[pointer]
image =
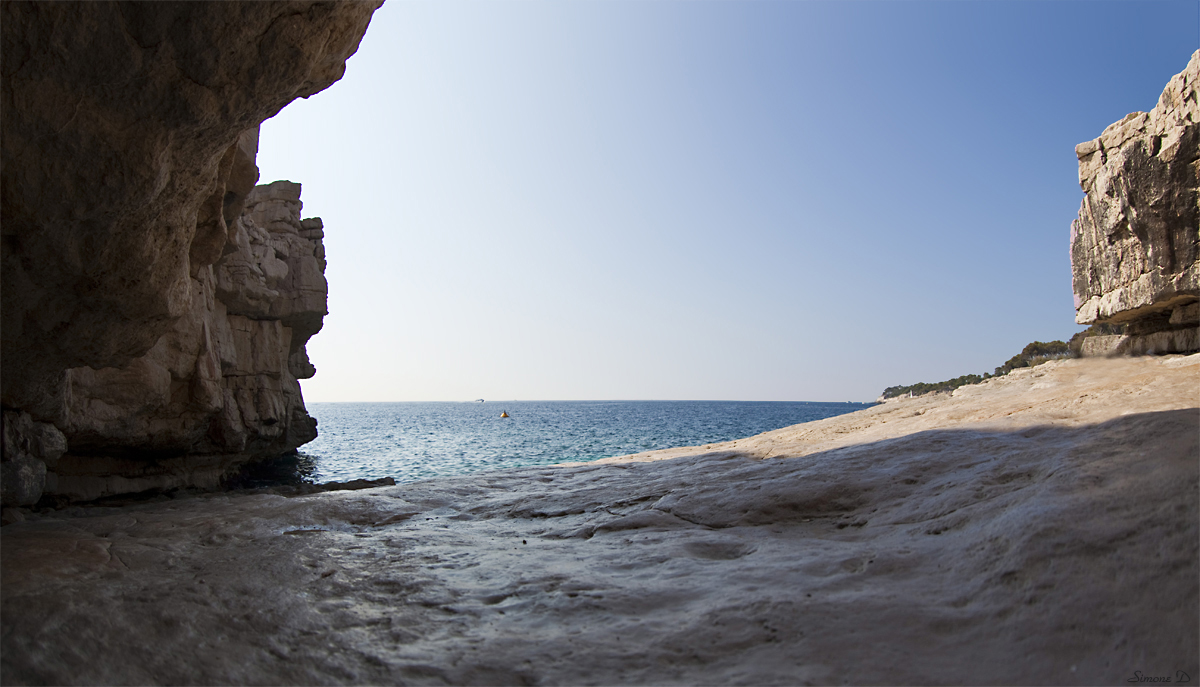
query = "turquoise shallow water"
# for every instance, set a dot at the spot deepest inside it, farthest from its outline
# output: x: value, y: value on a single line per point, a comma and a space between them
x: 415, y: 441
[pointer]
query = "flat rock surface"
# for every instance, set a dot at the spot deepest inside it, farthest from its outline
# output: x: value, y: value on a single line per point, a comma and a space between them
x: 1041, y: 528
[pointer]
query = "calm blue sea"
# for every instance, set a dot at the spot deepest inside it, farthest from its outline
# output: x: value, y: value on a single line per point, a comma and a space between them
x: 415, y: 441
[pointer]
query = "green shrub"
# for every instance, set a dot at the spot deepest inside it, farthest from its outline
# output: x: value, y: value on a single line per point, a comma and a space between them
x: 925, y: 387
x: 1035, y: 353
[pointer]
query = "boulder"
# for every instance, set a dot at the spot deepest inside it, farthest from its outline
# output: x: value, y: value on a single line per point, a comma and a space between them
x: 29, y: 447
x: 1135, y: 249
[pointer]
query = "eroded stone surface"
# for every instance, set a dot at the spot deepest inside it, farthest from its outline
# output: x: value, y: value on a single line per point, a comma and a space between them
x: 1135, y: 248
x: 126, y: 158
x: 220, y: 387
x: 1040, y: 528
x: 29, y: 447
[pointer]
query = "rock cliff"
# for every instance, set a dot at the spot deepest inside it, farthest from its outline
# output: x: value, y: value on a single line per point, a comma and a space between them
x: 220, y: 387
x: 1135, y: 248
x: 150, y: 337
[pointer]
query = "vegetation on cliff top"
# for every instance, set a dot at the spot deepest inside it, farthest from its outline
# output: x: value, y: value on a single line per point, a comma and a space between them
x: 1033, y: 354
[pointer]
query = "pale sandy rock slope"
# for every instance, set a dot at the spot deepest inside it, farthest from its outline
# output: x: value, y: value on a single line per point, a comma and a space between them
x: 1041, y: 528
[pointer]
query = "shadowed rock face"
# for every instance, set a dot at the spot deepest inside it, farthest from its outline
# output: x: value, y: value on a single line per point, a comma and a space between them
x: 220, y: 387
x: 128, y: 157
x: 1135, y: 249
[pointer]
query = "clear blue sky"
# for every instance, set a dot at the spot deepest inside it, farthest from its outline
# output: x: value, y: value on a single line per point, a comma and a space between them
x: 706, y: 200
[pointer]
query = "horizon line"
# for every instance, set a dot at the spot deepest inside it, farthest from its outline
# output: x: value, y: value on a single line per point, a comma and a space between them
x: 606, y: 400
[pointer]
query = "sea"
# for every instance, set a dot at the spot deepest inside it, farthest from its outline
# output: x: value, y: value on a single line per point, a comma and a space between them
x: 416, y: 441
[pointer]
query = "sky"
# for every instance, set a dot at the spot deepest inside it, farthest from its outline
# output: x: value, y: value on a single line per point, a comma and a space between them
x: 791, y: 201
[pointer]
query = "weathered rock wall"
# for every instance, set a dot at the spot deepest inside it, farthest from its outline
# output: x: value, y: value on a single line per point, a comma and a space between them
x: 220, y: 387
x: 1135, y: 248
x: 126, y: 158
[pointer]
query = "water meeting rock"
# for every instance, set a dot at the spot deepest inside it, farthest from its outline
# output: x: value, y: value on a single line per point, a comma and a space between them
x: 127, y: 157
x: 1039, y: 528
x: 1135, y: 248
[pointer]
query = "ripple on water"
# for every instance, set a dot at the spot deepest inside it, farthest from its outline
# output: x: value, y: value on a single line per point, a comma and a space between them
x: 415, y: 441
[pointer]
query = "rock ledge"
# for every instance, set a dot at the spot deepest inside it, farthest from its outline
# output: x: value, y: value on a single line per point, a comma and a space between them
x: 1135, y: 248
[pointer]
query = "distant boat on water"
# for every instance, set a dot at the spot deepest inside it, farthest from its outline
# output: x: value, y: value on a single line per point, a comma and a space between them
x: 479, y: 400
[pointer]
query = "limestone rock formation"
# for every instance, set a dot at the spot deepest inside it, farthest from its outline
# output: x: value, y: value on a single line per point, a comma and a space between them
x: 125, y: 161
x: 29, y: 447
x: 220, y: 387
x: 1135, y: 248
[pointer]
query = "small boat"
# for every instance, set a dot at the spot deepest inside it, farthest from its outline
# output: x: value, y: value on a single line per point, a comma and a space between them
x: 503, y: 413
